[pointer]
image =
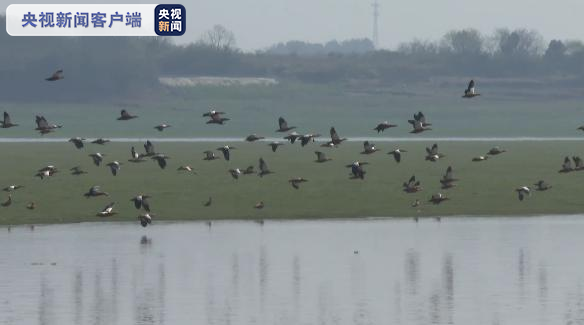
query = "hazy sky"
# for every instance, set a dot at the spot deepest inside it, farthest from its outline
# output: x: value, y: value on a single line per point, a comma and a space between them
x: 260, y: 23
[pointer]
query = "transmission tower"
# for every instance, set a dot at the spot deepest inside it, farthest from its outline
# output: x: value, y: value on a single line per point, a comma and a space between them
x: 375, y: 6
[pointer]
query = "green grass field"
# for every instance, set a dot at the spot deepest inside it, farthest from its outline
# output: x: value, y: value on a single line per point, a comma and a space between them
x: 485, y: 188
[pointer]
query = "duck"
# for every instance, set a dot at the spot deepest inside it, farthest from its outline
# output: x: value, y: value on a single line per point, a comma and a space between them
x: 43, y: 125
x: 78, y: 142
x: 283, y: 125
x: 357, y: 171
x: 335, y: 139
x: 97, y: 158
x: 448, y: 179
x: 114, y: 167
x: 368, y: 148
x: 160, y: 159
x: 412, y: 185
x: 226, y: 151
x: 522, y: 192
x: 433, y: 154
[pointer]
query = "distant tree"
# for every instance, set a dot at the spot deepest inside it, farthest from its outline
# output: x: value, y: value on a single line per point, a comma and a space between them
x: 520, y: 43
x: 556, y: 50
x: 418, y: 47
x: 463, y: 42
x: 219, y: 38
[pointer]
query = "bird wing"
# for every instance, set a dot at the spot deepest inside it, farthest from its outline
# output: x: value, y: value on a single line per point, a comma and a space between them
x: 7, y: 119
x: 334, y: 135
x: 263, y: 165
x: 435, y: 149
x: 146, y: 204
x: 282, y: 122
x: 471, y: 85
x: 161, y: 162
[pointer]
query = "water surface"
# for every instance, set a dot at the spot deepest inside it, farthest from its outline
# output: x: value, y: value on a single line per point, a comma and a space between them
x: 381, y: 271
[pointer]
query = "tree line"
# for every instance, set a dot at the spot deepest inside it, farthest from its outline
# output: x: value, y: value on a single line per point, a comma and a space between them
x: 106, y: 67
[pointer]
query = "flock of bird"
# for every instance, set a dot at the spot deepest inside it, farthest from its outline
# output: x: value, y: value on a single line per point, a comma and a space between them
x: 419, y: 124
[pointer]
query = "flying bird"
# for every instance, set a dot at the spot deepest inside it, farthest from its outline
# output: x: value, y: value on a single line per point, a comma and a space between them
x: 496, y: 151
x: 43, y: 125
x: 522, y: 192
x: 357, y: 171
x: 186, y: 169
x: 260, y: 205
x: 283, y: 125
x: 448, y: 179
x: 368, y: 148
x: 335, y: 139
x: 567, y: 165
x: 7, y: 122
x: 469, y: 92
x: 433, y: 154
x: 149, y: 147
x: 161, y: 127
x: 480, y: 158
x: 208, y: 202
x: 253, y: 137
x: 419, y: 123
x: 438, y: 198
x: 108, y: 211
x: 263, y: 168
x: 210, y: 155
x: 235, y: 173
x: 100, y: 141
x: 295, y: 182
x: 145, y: 219
x: 542, y: 186
x: 215, y: 117
x: 124, y: 116
x: 78, y: 142
x: 8, y: 202
x: 114, y: 167
x: 141, y: 201
x: 160, y: 159
x: 97, y: 158
x: 397, y: 154
x: 384, y: 126
x: 95, y: 191
x: 136, y: 157
x: 46, y: 171
x: 226, y: 151
x: 249, y: 170
x: 57, y: 75
x: 307, y: 138
x: 412, y: 185
x: 77, y: 171
x: 292, y: 136
x: 12, y: 188
x: 321, y: 157
x: 274, y: 145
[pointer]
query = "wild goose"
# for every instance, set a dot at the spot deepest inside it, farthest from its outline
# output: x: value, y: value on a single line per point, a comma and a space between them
x: 335, y: 139
x: 235, y: 173
x: 160, y: 159
x: 283, y: 125
x: 448, y: 179
x: 141, y: 201
x: 8, y: 202
x: 149, y: 148
x: 433, y: 154
x: 469, y: 92
x: 307, y: 138
x: 438, y: 198
x: 384, y: 126
x: 57, y: 75
x: 43, y: 125
x: 496, y: 151
x: 124, y: 116
x: 321, y: 157
x: 136, y: 157
x: 161, y: 127
x: 7, y: 122
x: 226, y: 151
x: 368, y: 148
x: 208, y: 202
x: 77, y: 171
x: 421, y: 118
x: 12, y: 188
x: 100, y: 141
x: 292, y: 136
x: 145, y: 219
x: 210, y: 155
x: 77, y: 141
x: 357, y: 171
x: 95, y: 191
x: 215, y: 117
x: 275, y: 145
x: 249, y: 170
x: 295, y: 182
x: 263, y: 168
x: 114, y: 167
x: 397, y: 153
x: 108, y: 211
x: 566, y: 166
x: 253, y: 137
x: 259, y: 205
x: 186, y: 169
x: 97, y: 158
x: 412, y: 185
x: 480, y: 158
x: 542, y: 186
x: 522, y: 192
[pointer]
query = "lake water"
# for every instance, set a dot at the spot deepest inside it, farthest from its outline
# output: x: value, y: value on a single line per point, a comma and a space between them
x: 373, y: 271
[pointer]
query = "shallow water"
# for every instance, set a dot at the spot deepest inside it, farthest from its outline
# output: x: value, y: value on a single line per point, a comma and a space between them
x: 381, y: 271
